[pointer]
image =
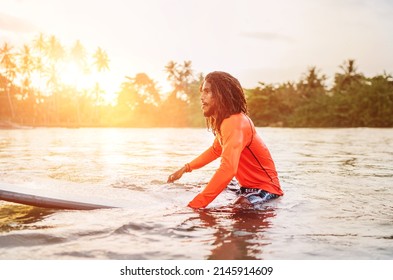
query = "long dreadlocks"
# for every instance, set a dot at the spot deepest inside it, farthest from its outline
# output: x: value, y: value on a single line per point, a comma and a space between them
x: 229, y: 98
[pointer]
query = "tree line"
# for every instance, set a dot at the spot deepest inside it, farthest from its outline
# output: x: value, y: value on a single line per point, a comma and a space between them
x: 34, y: 93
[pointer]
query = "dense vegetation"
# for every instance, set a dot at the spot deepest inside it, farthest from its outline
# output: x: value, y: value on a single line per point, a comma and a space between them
x: 33, y: 93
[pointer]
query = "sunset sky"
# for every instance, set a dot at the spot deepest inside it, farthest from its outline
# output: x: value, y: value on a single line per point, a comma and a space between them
x: 255, y: 40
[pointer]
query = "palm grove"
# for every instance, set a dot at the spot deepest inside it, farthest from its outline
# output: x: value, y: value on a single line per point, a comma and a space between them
x: 33, y: 93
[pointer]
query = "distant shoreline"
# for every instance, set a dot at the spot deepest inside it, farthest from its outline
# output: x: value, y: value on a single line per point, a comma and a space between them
x: 13, y: 125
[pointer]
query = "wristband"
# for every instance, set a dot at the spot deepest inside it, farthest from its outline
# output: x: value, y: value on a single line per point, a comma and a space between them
x: 187, y: 167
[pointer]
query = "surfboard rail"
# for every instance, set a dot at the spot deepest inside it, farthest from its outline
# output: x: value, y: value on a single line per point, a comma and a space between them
x: 48, y: 202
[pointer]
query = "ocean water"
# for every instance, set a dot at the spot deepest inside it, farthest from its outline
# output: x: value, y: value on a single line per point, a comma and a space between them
x: 338, y: 201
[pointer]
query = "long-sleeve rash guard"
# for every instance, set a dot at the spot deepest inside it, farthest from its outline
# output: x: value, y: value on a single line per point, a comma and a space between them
x: 243, y: 155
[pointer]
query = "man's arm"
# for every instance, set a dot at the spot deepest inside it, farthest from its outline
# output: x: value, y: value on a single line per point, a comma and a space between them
x: 233, y: 144
x: 212, y: 153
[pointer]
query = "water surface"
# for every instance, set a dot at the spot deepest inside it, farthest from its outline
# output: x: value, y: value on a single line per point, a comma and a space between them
x: 338, y: 201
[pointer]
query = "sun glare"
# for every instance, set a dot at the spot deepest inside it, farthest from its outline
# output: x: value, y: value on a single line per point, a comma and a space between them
x: 75, y: 80
x: 110, y: 86
x: 72, y: 75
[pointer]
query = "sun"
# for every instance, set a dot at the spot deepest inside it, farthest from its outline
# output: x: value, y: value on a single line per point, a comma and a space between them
x: 82, y: 79
x: 72, y: 74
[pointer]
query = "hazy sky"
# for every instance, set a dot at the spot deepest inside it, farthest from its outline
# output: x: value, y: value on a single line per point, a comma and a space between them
x: 255, y: 40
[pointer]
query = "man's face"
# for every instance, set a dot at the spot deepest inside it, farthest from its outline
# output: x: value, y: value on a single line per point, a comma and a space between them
x: 207, y: 100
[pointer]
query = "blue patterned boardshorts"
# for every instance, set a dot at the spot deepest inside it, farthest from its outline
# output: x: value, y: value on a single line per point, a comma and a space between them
x: 253, y: 196
x: 256, y: 196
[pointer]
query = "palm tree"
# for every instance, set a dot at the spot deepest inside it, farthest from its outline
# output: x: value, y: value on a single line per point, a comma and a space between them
x: 40, y: 43
x: 53, y: 83
x: 78, y: 54
x: 27, y: 64
x: 26, y: 68
x: 350, y: 75
x: 7, y: 60
x: 41, y: 47
x: 56, y: 53
x: 170, y: 68
x: 55, y: 49
x: 312, y: 83
x: 101, y: 60
x: 181, y: 76
x: 98, y: 100
x: 182, y: 79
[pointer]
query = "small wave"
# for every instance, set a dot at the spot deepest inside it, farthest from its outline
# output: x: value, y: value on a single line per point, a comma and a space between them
x: 332, y: 234
x: 131, y: 227
x: 126, y: 184
x: 28, y: 240
x: 387, y: 237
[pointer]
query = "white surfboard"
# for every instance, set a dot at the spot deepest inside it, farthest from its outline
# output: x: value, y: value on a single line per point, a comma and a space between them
x: 50, y: 199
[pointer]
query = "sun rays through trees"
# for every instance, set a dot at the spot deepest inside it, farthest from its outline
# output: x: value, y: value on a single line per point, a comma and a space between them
x: 47, y: 83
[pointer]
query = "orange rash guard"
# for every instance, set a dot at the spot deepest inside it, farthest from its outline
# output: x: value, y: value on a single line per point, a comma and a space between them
x: 243, y: 155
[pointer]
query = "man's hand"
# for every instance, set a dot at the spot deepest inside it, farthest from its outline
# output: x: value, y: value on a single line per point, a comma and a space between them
x: 178, y: 174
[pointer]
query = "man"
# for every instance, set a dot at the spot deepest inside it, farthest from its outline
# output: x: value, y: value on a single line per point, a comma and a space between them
x: 243, y: 153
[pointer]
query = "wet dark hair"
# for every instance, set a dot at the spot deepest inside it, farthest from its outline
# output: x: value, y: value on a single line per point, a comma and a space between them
x: 229, y: 98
